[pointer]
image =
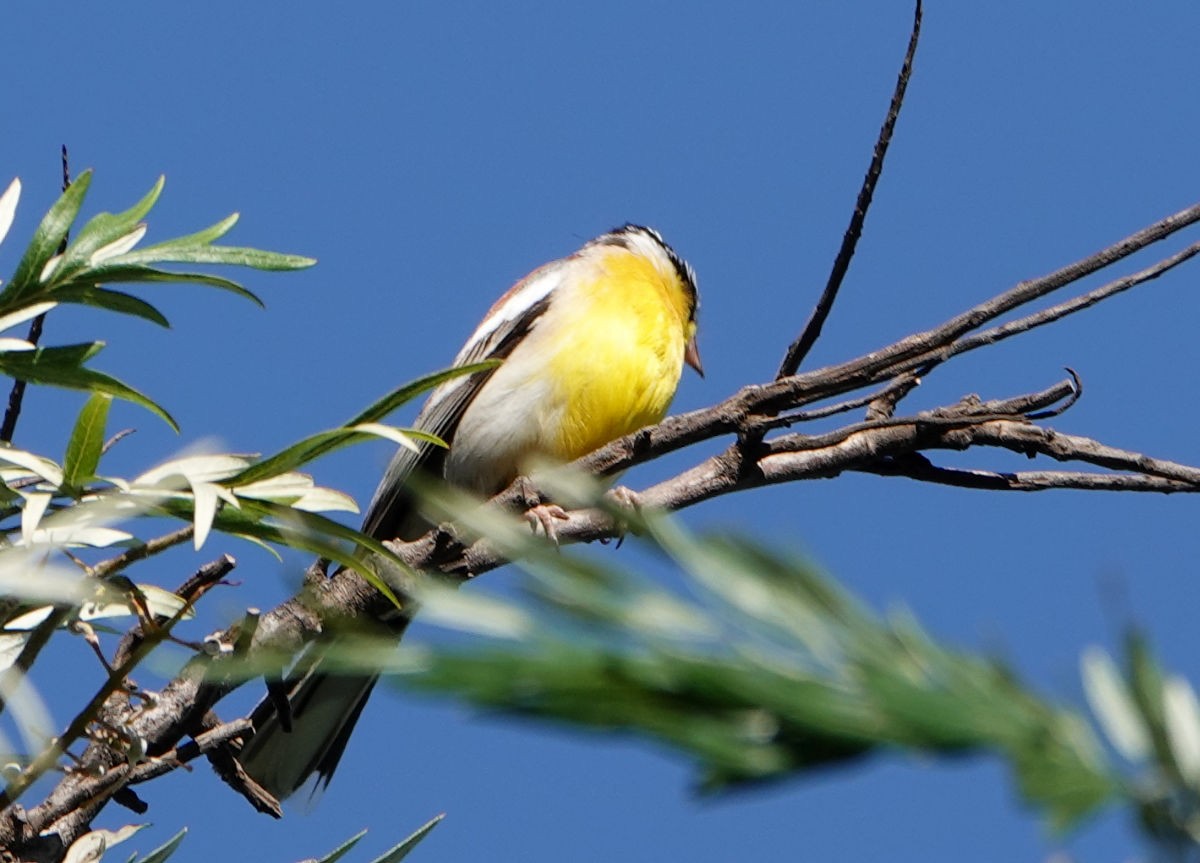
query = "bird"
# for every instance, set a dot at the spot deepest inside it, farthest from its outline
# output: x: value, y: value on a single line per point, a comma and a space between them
x: 592, y: 347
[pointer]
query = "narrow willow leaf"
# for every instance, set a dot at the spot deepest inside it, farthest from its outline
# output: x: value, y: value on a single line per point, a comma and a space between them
x: 11, y: 645
x: 117, y: 247
x: 342, y: 850
x: 104, y: 229
x: 409, y: 391
x: 116, y: 602
x: 35, y: 507
x: 1113, y: 706
x: 203, y: 237
x: 46, y: 240
x: 112, y: 272
x: 33, y: 463
x: 399, y: 852
x: 262, y: 522
x: 296, y: 455
x: 90, y: 847
x: 20, y: 316
x: 54, y: 367
x: 311, y: 531
x: 479, y: 615
x: 78, y: 536
x: 218, y: 467
x: 322, y: 443
x: 288, y: 486
x: 64, y: 356
x: 205, y: 496
x: 164, y: 851
x: 395, y: 435
x: 261, y: 543
x: 165, y: 603
x: 1183, y: 727
x: 87, y: 441
x: 8, y: 206
x: 179, y: 252
x: 298, y: 491
x: 113, y: 301
x: 299, y: 454
x: 1146, y: 685
x: 29, y: 620
x: 319, y: 499
x: 49, y: 269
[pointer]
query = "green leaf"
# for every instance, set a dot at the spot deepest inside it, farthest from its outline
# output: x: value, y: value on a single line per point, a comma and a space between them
x: 66, y: 356
x: 238, y: 256
x: 320, y: 444
x: 203, y: 237
x: 114, y: 301
x: 302, y: 528
x: 164, y: 851
x: 87, y: 441
x: 1147, y: 686
x: 342, y: 850
x: 112, y: 271
x: 278, y: 523
x: 105, y: 228
x: 398, y: 853
x: 407, y: 392
x: 63, y: 367
x: 24, y: 314
x: 787, y: 671
x: 304, y: 451
x: 46, y: 240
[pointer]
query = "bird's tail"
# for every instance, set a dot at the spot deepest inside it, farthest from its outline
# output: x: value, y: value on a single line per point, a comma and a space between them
x: 324, y: 710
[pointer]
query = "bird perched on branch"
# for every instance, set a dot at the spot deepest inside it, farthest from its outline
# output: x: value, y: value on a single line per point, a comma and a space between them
x: 593, y: 346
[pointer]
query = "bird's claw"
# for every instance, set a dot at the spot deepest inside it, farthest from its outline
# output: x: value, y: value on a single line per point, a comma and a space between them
x: 545, y: 517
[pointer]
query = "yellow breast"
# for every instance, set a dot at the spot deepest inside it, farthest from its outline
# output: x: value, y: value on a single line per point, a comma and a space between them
x: 602, y: 361
x: 620, y: 369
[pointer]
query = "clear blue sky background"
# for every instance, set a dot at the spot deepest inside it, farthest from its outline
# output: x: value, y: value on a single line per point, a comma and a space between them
x: 430, y: 154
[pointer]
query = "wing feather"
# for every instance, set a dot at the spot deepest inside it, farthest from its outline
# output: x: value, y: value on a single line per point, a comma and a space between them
x: 392, y: 514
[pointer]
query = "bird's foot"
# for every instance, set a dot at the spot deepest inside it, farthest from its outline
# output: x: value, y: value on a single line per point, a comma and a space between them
x: 544, y: 518
x: 624, y: 498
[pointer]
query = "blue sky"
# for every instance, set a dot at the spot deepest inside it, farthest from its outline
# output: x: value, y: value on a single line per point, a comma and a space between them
x: 431, y: 154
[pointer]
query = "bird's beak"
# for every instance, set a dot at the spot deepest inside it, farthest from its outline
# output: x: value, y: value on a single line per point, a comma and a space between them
x: 691, y: 356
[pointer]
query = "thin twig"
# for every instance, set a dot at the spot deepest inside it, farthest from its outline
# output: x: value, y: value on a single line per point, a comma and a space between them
x: 141, y: 552
x: 901, y: 385
x: 799, y: 349
x: 115, y: 439
x: 1083, y: 301
x: 1027, y: 439
x: 925, y: 471
x: 186, y: 752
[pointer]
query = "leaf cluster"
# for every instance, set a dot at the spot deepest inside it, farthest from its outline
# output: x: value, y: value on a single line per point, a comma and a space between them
x: 55, y: 270
x: 59, y: 517
x: 759, y: 669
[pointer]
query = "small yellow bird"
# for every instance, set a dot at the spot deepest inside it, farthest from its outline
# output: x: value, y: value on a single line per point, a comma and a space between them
x: 593, y: 346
